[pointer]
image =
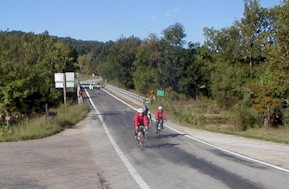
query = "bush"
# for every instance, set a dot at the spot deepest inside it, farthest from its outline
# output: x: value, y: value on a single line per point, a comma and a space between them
x: 244, y: 117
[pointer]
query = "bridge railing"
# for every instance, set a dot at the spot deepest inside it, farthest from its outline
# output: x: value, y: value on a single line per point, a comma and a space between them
x: 129, y: 94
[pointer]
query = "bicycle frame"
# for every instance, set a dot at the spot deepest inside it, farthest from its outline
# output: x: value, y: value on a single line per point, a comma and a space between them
x: 159, y: 125
x: 140, y: 137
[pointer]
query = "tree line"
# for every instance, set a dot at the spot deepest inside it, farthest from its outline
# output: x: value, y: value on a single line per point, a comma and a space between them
x: 27, y: 66
x: 243, y: 67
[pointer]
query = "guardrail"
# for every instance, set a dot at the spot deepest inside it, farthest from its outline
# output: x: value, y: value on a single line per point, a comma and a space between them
x: 141, y: 99
x: 129, y: 94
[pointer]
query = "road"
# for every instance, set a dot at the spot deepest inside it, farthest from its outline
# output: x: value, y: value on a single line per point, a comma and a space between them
x: 100, y: 152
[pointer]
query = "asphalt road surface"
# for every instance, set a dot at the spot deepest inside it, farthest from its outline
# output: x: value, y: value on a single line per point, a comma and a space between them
x: 100, y: 152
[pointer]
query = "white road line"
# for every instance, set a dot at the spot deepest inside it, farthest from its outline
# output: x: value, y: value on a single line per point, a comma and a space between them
x: 142, y: 184
x: 208, y: 144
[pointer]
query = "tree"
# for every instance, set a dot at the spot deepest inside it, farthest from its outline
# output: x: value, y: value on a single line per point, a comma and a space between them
x: 118, y: 65
x: 255, y: 28
x: 276, y: 72
x: 173, y: 53
x: 28, y: 68
x: 147, y: 65
x: 175, y: 35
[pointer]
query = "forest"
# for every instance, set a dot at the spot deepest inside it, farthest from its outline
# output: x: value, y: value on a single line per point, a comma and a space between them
x: 243, y: 67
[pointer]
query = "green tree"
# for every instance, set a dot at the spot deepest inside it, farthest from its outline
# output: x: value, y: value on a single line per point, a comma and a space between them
x: 147, y: 65
x: 276, y: 72
x: 118, y: 65
x: 255, y: 30
x: 28, y: 70
x: 275, y: 76
x: 173, y: 54
x: 175, y: 35
x: 84, y: 62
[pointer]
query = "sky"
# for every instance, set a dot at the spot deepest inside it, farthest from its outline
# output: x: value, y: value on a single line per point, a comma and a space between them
x: 104, y: 20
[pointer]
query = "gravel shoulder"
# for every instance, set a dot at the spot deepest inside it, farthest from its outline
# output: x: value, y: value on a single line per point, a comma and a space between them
x: 265, y: 151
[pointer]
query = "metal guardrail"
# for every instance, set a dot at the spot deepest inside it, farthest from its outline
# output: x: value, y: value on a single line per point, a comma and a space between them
x: 129, y: 94
x: 141, y: 99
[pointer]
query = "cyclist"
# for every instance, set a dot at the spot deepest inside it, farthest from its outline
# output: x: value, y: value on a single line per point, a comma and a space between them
x: 160, y: 116
x: 147, y: 112
x: 140, y: 119
x: 90, y: 87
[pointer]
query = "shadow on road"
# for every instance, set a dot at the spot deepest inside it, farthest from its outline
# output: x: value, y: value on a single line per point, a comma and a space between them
x: 165, y: 136
x: 163, y: 145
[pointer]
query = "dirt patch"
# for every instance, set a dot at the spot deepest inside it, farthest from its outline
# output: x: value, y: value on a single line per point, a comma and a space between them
x: 104, y: 183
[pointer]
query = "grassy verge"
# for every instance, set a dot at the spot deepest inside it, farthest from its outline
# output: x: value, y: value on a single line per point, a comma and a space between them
x: 42, y: 127
x: 205, y: 115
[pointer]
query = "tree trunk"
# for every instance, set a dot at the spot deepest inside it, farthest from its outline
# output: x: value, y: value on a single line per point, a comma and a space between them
x: 267, y: 122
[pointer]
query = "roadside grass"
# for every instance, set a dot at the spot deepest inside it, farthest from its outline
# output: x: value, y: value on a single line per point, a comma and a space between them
x: 204, y: 114
x: 83, y: 77
x: 280, y: 135
x: 43, y: 126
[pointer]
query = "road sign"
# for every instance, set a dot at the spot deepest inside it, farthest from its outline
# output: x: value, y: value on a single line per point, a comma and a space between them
x: 64, y: 80
x: 69, y: 77
x: 160, y: 93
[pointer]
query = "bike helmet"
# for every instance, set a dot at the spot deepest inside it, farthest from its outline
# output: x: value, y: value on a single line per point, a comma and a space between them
x: 160, y: 108
x: 140, y: 110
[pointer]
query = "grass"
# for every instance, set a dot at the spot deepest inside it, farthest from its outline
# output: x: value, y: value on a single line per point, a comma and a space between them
x: 204, y: 114
x: 42, y: 127
x: 280, y: 135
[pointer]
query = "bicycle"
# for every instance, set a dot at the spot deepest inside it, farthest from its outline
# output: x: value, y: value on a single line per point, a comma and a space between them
x: 149, y: 122
x: 140, y: 136
x: 159, y: 126
x: 146, y: 132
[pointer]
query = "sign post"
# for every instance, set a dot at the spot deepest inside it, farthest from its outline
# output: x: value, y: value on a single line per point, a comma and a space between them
x: 64, y: 92
x: 160, y: 93
x: 63, y: 80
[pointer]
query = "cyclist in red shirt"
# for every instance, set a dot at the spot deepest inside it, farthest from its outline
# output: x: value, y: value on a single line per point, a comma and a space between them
x: 140, y: 119
x: 160, y: 116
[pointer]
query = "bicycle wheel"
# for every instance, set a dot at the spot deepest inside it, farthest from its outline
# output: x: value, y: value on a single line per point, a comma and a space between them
x: 141, y: 140
x: 158, y: 128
